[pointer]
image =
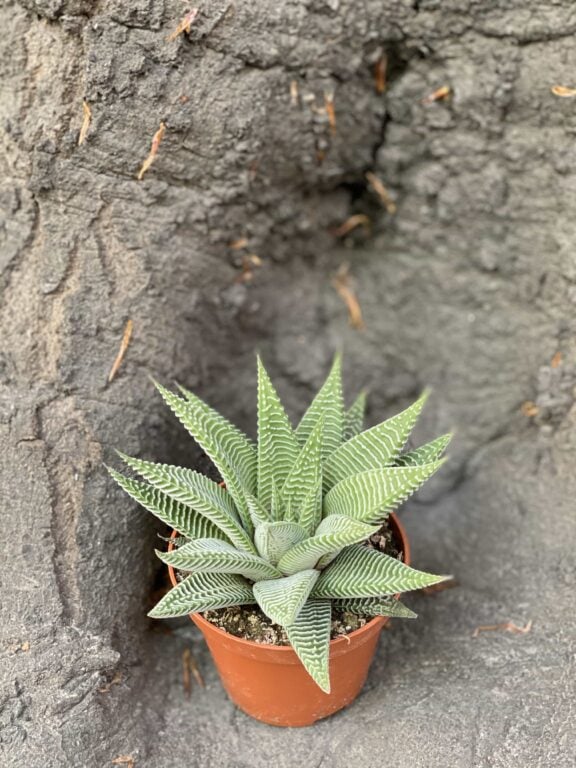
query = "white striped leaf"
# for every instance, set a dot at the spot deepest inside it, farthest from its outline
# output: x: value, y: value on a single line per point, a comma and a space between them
x: 369, y: 496
x: 333, y: 534
x: 375, y: 448
x: 222, y: 442
x: 199, y: 492
x: 238, y: 449
x: 203, y: 592
x: 425, y: 453
x: 310, y: 513
x: 305, y: 474
x: 282, y: 599
x: 212, y: 555
x: 359, y: 571
x: 179, y: 516
x: 257, y: 512
x: 277, y: 508
x: 354, y: 417
x: 375, y: 606
x: 329, y: 404
x: 277, y: 444
x: 309, y: 635
x: 274, y: 539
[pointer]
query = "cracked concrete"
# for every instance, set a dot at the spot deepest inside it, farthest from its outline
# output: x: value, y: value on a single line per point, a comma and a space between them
x: 469, y: 288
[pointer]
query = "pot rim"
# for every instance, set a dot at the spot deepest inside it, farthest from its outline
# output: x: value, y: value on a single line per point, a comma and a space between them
x: 338, y: 642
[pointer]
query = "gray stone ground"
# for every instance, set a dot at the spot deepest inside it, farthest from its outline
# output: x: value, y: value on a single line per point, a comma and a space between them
x: 470, y: 287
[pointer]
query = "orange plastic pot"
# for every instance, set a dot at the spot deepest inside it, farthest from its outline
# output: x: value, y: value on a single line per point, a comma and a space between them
x: 269, y: 682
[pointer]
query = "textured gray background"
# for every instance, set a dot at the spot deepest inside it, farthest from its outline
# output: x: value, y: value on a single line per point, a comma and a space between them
x: 470, y: 288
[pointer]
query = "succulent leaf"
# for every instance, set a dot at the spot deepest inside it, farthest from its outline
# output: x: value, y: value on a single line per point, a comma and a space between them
x: 230, y: 451
x: 277, y: 444
x: 199, y: 492
x: 369, y: 496
x: 373, y: 449
x: 375, y: 606
x: 282, y: 599
x: 309, y: 635
x: 310, y: 513
x: 203, y: 592
x: 181, y: 517
x: 425, y: 454
x: 354, y: 417
x: 333, y: 534
x: 214, y: 556
x: 359, y: 571
x: 274, y: 539
x: 306, y: 472
x: 328, y: 404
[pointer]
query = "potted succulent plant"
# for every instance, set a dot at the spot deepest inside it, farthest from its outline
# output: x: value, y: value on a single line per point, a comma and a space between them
x: 289, y: 538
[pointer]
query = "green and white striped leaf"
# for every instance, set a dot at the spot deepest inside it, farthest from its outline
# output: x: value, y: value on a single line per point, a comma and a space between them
x: 277, y: 508
x: 199, y: 492
x: 282, y: 599
x: 329, y: 404
x: 213, y: 556
x: 277, y: 445
x: 333, y: 534
x: 181, y: 517
x: 373, y: 449
x: 425, y: 454
x: 305, y: 474
x: 257, y: 512
x: 274, y: 539
x: 310, y: 513
x: 203, y: 592
x: 238, y: 450
x: 369, y: 496
x: 309, y: 635
x: 230, y: 451
x: 354, y: 417
x: 359, y: 571
x: 375, y: 606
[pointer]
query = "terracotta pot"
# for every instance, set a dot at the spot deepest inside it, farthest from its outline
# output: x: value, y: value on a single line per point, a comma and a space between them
x: 269, y: 682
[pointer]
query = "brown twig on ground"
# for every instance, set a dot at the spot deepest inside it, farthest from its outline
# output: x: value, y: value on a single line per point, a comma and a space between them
x: 380, y: 71
x: 437, y: 95
x: 122, y: 351
x: 556, y: 360
x: 379, y: 188
x: 329, y: 107
x: 249, y: 261
x: 358, y: 220
x: 240, y: 242
x: 186, y: 672
x: 124, y: 760
x: 196, y: 672
x: 342, y: 284
x: 563, y: 91
x: 87, y: 112
x: 117, y: 678
x: 506, y: 626
x: 294, y: 93
x: 529, y: 409
x: 153, y: 151
x: 189, y: 666
x: 184, y: 25
x: 440, y: 587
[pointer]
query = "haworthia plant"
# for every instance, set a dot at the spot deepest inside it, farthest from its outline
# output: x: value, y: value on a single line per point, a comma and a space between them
x: 289, y: 530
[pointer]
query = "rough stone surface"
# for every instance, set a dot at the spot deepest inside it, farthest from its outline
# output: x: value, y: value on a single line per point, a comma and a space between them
x: 470, y: 287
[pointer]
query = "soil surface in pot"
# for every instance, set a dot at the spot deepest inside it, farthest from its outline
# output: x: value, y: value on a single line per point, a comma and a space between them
x: 250, y: 623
